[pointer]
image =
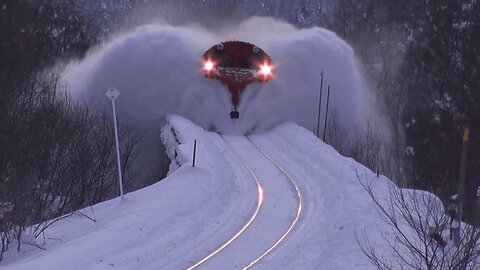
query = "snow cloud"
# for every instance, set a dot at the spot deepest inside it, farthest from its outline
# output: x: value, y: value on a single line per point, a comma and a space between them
x: 157, y: 69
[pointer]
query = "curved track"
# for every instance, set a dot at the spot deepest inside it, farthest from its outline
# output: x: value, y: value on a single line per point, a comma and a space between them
x: 271, y: 222
x: 299, y: 209
x: 245, y: 226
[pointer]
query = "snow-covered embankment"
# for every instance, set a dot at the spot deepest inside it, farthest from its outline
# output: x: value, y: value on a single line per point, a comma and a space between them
x: 180, y: 220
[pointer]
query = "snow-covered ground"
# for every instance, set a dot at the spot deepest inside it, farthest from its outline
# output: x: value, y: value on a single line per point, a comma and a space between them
x: 175, y: 223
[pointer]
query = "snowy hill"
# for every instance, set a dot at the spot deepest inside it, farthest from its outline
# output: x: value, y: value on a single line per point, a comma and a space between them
x: 195, y: 211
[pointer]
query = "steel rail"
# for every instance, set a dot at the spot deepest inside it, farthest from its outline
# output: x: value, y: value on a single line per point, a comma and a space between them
x: 251, y: 219
x: 257, y: 209
x: 299, y: 208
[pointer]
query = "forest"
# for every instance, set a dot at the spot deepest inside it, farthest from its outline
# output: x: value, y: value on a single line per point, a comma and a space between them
x: 56, y: 155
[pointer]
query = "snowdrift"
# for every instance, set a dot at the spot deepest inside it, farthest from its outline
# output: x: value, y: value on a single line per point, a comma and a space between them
x: 171, y: 224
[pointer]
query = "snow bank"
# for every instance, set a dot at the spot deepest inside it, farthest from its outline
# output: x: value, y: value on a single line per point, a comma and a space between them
x: 174, y: 223
x: 165, y: 226
x: 338, y: 208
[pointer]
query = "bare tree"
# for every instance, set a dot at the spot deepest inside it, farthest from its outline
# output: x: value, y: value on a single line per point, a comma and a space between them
x: 61, y: 158
x: 418, y: 232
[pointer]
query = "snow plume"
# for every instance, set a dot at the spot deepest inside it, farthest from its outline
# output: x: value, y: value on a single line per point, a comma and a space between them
x: 157, y: 69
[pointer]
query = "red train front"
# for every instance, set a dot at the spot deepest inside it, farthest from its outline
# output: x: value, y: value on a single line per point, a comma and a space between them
x: 237, y: 64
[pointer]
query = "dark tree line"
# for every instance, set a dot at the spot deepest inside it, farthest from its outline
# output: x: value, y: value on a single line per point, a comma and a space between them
x: 443, y: 89
x: 424, y: 58
x: 56, y: 156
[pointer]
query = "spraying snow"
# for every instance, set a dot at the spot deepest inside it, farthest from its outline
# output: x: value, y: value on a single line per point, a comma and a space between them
x: 157, y: 69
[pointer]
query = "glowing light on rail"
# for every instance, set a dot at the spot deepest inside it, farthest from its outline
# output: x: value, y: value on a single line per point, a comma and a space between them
x: 257, y: 209
x: 246, y: 225
x: 297, y: 217
x: 260, y: 194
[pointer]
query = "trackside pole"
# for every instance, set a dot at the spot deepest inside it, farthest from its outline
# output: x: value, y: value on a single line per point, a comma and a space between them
x: 477, y: 205
x: 326, y: 115
x: 463, y: 171
x: 194, y: 152
x: 113, y: 94
x: 319, y: 104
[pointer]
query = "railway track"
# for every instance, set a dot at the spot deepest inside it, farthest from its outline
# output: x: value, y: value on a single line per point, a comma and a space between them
x: 260, y: 212
x: 246, y: 225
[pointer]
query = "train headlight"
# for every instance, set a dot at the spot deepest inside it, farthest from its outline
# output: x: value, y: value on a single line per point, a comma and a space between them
x: 266, y: 70
x: 208, y: 66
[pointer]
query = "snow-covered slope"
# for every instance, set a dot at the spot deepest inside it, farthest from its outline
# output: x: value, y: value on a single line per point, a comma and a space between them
x: 180, y: 220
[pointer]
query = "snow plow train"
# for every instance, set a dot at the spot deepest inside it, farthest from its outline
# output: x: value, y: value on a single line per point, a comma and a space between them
x: 237, y: 64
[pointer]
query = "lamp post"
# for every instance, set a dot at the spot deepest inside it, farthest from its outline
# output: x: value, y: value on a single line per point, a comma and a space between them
x: 112, y: 94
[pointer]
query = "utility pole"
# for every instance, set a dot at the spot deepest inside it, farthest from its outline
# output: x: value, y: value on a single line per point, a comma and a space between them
x: 112, y: 94
x: 463, y: 173
x: 319, y: 104
x: 194, y: 152
x: 326, y: 115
